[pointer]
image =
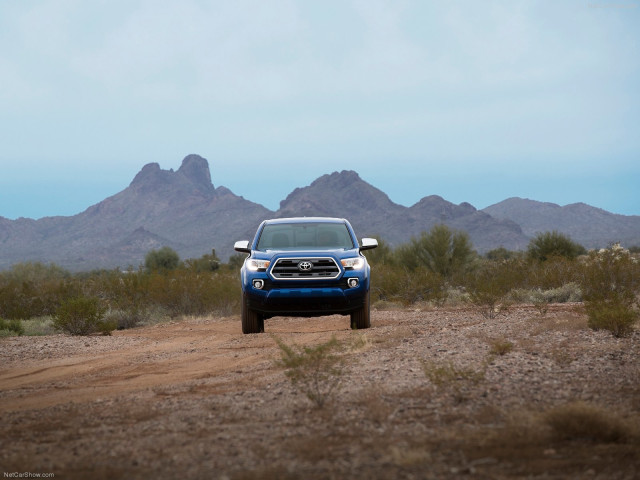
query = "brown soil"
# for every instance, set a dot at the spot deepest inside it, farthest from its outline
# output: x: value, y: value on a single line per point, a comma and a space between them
x: 428, y: 394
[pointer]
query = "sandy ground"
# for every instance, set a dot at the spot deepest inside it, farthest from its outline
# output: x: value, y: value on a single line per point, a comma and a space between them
x: 197, y: 399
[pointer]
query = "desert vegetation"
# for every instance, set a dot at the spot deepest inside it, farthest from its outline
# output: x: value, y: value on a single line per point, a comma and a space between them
x: 437, y: 268
x: 105, y: 300
x: 506, y: 365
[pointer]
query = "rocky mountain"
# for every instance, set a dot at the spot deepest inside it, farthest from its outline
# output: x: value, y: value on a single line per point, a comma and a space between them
x: 590, y: 226
x: 371, y: 212
x: 183, y: 210
x: 180, y: 209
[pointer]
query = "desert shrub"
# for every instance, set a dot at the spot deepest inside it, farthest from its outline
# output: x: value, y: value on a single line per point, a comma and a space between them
x: 79, y: 316
x: 235, y: 261
x: 106, y: 325
x: 442, y: 374
x: 37, y: 326
x: 489, y: 285
x: 124, y: 319
x: 381, y: 255
x: 315, y: 371
x: 163, y: 259
x: 500, y: 347
x: 11, y: 328
x: 541, y: 299
x: 501, y: 253
x: 547, y: 245
x: 135, y: 296
x: 441, y: 250
x: 130, y: 298
x: 456, y: 296
x: 614, y: 316
x: 581, y: 421
x: 125, y: 291
x: 33, y: 289
x: 206, y: 263
x: 398, y: 284
x: 569, y: 292
x: 610, y: 283
x: 552, y: 273
x: 182, y: 292
x: 610, y: 272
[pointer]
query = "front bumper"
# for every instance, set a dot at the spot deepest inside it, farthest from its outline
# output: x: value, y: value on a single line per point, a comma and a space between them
x: 306, y: 298
x: 306, y: 301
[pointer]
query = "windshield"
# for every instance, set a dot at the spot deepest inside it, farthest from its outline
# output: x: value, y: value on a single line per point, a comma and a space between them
x: 295, y: 236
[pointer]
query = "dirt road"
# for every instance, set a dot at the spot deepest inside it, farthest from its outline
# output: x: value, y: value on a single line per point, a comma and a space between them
x: 197, y: 399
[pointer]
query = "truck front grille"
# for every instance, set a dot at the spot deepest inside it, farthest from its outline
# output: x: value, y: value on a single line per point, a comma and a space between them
x: 305, y: 268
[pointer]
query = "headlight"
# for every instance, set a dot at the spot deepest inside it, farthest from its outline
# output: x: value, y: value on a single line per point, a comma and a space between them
x: 255, y: 265
x: 355, y: 263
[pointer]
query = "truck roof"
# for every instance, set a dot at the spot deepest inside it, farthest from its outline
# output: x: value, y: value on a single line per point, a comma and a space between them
x: 306, y: 220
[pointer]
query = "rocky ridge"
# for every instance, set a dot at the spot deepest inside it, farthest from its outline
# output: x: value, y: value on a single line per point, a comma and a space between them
x: 184, y: 210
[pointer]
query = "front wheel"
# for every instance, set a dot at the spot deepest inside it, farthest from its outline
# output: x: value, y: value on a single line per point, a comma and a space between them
x: 252, y: 321
x: 361, y: 318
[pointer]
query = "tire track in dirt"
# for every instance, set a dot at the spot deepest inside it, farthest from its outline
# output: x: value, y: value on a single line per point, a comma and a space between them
x: 167, y: 356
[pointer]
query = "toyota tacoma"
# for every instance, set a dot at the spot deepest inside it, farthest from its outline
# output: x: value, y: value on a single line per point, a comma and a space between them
x: 304, y: 267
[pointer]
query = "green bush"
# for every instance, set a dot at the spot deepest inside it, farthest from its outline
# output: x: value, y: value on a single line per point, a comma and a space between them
x: 38, y: 326
x: 11, y: 328
x: 79, y: 316
x: 382, y: 255
x: 123, y: 319
x: 552, y: 273
x: 441, y: 250
x: 206, y: 263
x: 490, y: 283
x: 163, y: 260
x: 501, y: 253
x: 235, y: 261
x: 610, y: 283
x: 34, y: 289
x: 547, y: 245
x: 182, y: 292
x: 614, y: 316
x: 398, y: 284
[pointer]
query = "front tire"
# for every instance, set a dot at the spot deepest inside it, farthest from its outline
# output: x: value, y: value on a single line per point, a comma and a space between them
x: 252, y: 321
x: 361, y: 318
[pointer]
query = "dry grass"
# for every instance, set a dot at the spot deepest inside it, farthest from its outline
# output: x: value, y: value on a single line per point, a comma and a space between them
x: 447, y: 374
x: 560, y: 323
x: 581, y: 421
x: 500, y: 346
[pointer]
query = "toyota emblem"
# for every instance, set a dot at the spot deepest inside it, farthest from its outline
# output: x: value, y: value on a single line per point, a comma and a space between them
x: 305, y: 266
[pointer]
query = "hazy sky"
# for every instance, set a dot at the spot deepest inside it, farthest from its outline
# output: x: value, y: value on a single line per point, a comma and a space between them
x: 474, y: 101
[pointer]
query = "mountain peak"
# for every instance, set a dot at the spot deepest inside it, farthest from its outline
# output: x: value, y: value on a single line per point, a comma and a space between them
x: 196, y: 169
x: 148, y: 172
x: 194, y: 172
x: 341, y: 179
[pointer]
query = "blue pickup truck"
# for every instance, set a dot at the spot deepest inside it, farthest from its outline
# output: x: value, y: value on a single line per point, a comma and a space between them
x: 308, y: 266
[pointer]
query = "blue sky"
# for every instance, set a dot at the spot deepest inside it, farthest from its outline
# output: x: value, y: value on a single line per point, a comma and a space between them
x: 472, y: 101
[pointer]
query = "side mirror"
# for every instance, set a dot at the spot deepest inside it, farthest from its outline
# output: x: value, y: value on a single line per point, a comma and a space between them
x: 242, y: 246
x: 368, y: 243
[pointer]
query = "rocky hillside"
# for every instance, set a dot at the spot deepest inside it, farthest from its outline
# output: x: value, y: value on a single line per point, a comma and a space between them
x: 371, y: 212
x: 592, y: 227
x: 182, y: 209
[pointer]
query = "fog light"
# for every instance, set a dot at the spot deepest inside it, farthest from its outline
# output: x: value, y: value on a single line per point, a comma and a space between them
x: 352, y: 282
x: 258, y: 284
